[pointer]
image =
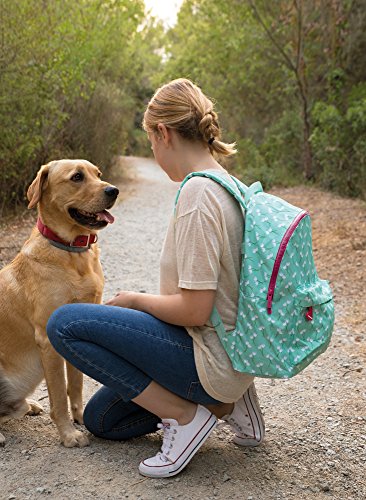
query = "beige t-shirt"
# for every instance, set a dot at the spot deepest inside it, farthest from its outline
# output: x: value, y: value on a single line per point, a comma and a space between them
x: 202, y: 251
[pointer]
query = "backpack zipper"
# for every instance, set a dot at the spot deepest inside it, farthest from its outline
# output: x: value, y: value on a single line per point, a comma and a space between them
x: 279, y: 256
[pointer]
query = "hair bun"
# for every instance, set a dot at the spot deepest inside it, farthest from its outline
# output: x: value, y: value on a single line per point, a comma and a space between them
x: 182, y: 106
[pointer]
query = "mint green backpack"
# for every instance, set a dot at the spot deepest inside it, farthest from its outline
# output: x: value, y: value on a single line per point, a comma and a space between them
x: 285, y: 312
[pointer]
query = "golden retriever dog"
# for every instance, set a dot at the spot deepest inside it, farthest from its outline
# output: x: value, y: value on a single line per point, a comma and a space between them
x: 58, y: 264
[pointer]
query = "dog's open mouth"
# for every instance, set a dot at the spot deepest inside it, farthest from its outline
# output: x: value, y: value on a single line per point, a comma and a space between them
x: 89, y: 219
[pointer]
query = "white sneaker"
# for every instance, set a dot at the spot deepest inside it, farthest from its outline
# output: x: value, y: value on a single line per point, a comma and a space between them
x: 246, y: 420
x: 180, y: 443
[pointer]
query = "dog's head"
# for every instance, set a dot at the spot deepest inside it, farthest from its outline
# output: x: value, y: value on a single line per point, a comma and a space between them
x: 71, y: 192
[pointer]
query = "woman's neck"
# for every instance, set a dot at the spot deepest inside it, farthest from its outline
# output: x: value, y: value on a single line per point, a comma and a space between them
x: 195, y: 159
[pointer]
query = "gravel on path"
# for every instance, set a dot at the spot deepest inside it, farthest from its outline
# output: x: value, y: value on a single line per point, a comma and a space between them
x: 130, y: 247
x: 316, y: 422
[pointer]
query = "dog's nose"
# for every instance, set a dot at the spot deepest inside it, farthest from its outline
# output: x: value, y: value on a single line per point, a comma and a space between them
x: 111, y: 192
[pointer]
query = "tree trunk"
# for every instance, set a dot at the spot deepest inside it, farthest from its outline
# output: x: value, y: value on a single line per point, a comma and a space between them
x: 307, y: 154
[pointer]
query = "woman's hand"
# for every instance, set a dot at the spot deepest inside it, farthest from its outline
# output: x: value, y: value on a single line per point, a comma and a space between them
x: 122, y: 299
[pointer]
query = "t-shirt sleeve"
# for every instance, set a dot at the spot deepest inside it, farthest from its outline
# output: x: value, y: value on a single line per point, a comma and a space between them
x: 199, y: 243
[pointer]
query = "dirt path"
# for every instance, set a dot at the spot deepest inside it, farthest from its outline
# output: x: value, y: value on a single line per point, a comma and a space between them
x: 316, y: 423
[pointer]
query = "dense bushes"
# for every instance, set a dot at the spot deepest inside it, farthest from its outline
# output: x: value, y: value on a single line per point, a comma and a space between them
x: 339, y: 143
x: 277, y: 159
x: 288, y: 78
x: 73, y: 76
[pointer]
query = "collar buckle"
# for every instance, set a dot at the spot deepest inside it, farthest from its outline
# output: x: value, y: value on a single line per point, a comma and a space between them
x: 84, y: 240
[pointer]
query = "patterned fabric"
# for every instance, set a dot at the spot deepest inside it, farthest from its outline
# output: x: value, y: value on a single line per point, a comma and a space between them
x: 278, y: 339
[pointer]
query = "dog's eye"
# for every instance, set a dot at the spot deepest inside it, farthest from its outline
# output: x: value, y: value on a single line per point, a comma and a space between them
x: 77, y: 177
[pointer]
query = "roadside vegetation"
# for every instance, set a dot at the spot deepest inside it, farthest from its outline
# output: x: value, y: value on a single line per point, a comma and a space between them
x: 288, y: 77
x: 73, y: 79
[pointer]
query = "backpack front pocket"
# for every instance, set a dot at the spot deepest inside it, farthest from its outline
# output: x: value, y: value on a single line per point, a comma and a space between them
x: 283, y: 343
x: 313, y: 294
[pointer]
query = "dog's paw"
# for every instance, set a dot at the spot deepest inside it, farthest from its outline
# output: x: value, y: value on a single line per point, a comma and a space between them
x: 2, y: 440
x: 34, y: 407
x: 75, y: 438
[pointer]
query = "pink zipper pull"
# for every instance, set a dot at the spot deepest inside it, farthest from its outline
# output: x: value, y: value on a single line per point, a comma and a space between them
x: 309, y: 314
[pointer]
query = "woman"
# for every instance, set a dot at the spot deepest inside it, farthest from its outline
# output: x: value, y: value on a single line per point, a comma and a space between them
x: 158, y: 357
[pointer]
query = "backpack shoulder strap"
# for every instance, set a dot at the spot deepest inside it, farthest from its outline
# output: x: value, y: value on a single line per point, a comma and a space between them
x: 220, y: 180
x: 243, y: 199
x: 247, y: 192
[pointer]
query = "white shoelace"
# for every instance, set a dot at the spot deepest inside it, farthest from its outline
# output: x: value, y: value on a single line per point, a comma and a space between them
x: 168, y: 438
x: 234, y: 425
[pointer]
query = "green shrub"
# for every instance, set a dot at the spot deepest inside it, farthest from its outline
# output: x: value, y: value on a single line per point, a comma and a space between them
x: 139, y: 144
x: 282, y: 149
x: 339, y: 146
x: 250, y: 166
x: 72, y: 76
x: 277, y: 160
x: 98, y: 128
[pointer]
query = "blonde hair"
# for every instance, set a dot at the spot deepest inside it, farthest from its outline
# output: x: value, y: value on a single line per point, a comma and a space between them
x: 182, y: 106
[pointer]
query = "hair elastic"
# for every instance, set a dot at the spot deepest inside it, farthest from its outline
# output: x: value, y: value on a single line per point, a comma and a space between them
x: 210, y: 141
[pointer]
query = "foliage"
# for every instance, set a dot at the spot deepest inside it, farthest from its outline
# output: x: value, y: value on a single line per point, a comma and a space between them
x: 269, y: 65
x: 276, y: 160
x: 73, y: 76
x: 339, y: 142
x: 218, y: 45
x: 288, y: 77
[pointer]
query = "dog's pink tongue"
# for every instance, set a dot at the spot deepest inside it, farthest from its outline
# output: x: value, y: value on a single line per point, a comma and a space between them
x: 105, y: 215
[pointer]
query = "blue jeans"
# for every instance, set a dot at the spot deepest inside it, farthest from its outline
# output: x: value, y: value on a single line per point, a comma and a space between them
x: 125, y: 350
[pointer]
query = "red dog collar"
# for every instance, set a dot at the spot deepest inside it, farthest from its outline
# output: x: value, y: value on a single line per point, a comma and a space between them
x: 82, y: 241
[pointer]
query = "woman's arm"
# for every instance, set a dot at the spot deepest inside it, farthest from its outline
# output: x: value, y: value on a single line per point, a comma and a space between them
x: 187, y: 308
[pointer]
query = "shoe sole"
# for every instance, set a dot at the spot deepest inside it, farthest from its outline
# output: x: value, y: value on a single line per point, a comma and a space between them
x: 186, y: 456
x: 256, y: 417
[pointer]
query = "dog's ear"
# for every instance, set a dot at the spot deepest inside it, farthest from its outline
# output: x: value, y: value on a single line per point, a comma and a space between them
x: 35, y: 190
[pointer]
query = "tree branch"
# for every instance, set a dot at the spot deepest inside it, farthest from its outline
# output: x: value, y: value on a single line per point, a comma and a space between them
x: 299, y: 51
x: 288, y: 61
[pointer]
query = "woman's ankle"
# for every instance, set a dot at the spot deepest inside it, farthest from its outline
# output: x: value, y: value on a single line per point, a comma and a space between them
x: 222, y: 409
x: 187, y: 415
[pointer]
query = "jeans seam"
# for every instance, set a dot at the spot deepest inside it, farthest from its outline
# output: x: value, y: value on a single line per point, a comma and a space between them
x: 119, y: 325
x: 102, y: 415
x: 130, y: 425
x: 89, y: 363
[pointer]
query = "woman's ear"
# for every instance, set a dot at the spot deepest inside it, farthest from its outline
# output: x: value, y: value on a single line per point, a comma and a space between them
x: 35, y: 190
x: 165, y: 133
